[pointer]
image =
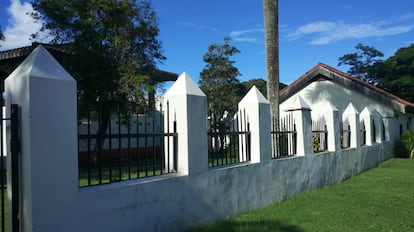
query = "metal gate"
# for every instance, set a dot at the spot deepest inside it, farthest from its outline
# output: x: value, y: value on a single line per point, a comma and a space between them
x: 13, y: 155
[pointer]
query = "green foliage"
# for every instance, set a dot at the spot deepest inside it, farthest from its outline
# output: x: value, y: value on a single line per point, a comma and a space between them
x: 259, y: 83
x: 400, y: 151
x: 396, y: 74
x: 112, y: 49
x: 408, y: 141
x: 361, y: 61
x: 218, y: 79
x: 316, y: 142
x: 112, y: 44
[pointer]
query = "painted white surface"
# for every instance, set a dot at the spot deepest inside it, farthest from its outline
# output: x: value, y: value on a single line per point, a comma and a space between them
x: 52, y: 201
x: 46, y: 96
x: 188, y: 104
x: 319, y: 93
x: 258, y: 113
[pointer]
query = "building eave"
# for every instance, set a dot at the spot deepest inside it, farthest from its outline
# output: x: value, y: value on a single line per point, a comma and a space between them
x: 324, y: 72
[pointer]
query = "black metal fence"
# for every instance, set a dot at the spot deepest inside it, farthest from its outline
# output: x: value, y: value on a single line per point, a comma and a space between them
x: 13, y: 156
x: 345, y: 134
x: 374, y: 132
x: 319, y: 135
x: 130, y: 144
x: 3, y: 180
x: 283, y: 135
x: 363, y: 134
x: 228, y: 139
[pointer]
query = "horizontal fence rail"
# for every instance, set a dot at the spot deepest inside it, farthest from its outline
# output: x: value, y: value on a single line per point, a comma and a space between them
x: 125, y: 146
x: 283, y: 135
x: 228, y: 139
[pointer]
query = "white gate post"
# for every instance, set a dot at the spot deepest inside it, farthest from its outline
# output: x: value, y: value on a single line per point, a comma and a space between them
x: 333, y: 126
x: 46, y: 95
x: 302, y: 116
x: 258, y: 110
x: 188, y: 106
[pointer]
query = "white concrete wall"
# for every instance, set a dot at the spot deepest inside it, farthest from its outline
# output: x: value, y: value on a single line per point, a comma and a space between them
x: 52, y: 201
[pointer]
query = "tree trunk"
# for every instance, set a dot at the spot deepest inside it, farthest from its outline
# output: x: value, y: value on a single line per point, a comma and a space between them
x: 271, y: 26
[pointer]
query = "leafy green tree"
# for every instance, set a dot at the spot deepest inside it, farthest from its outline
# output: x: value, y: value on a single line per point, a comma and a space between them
x: 218, y: 79
x: 261, y: 84
x: 361, y: 62
x: 396, y: 74
x: 408, y: 141
x: 112, y: 47
x: 258, y: 82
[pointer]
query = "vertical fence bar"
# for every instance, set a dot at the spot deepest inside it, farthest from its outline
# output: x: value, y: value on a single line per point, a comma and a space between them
x: 128, y: 119
x: 138, y: 144
x: 2, y: 176
x: 120, y: 156
x: 99, y: 148
x: 162, y: 144
x: 154, y: 154
x: 110, y: 148
x: 89, y: 143
x: 175, y: 144
x: 14, y: 145
x: 146, y: 143
x: 168, y: 140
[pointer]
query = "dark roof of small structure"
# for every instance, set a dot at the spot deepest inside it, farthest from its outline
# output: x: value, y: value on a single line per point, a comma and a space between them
x: 10, y: 59
x: 325, y: 72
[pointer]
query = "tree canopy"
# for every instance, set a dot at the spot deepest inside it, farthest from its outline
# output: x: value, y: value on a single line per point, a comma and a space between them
x: 113, y: 45
x: 218, y: 79
x: 361, y: 61
x: 112, y: 49
x: 395, y: 74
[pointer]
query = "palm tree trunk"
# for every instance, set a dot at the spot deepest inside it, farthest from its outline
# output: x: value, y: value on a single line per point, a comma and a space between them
x: 271, y: 26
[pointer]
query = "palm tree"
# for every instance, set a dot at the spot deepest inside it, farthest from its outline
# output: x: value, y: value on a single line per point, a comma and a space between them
x: 271, y: 26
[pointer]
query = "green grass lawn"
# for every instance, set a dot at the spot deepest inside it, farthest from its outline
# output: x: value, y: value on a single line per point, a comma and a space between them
x: 381, y: 199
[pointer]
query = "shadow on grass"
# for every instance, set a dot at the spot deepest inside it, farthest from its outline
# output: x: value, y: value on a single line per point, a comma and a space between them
x: 239, y: 226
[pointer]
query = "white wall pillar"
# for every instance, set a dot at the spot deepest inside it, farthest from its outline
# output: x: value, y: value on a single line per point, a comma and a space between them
x: 333, y: 126
x: 366, y: 117
x: 258, y: 111
x: 352, y: 115
x: 188, y: 104
x: 301, y: 113
x: 46, y: 95
x: 376, y: 118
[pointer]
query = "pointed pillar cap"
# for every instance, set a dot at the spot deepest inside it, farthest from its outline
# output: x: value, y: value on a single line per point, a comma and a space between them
x: 184, y: 85
x: 298, y: 104
x: 254, y: 96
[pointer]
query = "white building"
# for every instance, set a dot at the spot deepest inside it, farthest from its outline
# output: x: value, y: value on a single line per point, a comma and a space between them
x: 323, y: 86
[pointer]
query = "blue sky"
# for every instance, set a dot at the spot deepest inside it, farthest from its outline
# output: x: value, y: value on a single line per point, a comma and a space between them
x: 309, y: 31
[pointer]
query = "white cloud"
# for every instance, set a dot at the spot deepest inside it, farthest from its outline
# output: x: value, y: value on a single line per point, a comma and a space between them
x: 326, y: 32
x: 197, y: 26
x: 247, y: 35
x: 20, y: 25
